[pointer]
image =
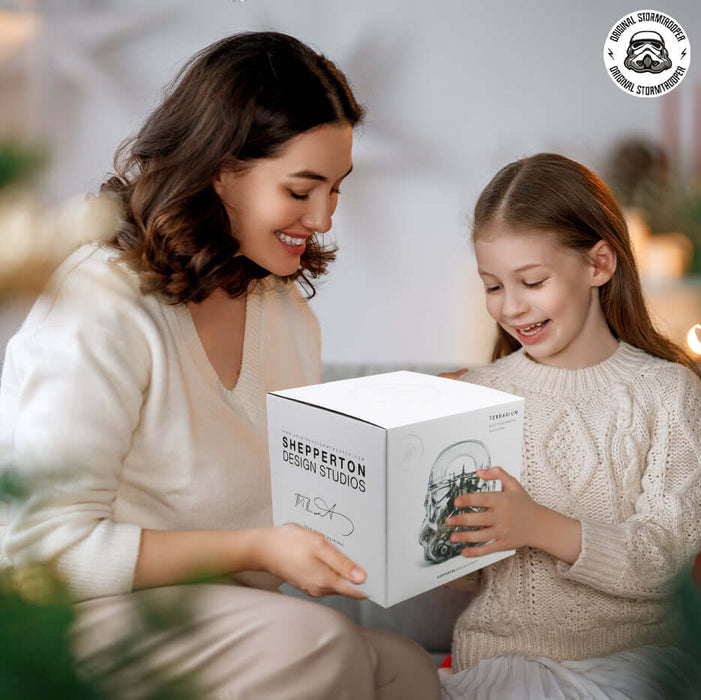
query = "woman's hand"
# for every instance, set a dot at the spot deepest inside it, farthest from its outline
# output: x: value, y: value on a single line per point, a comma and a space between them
x: 512, y: 519
x: 453, y: 375
x: 309, y: 562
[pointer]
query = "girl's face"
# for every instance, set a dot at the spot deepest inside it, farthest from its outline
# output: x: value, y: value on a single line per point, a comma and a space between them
x: 276, y: 204
x: 545, y: 295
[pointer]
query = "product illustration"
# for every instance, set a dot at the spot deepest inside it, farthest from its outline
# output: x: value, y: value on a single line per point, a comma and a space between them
x: 453, y: 473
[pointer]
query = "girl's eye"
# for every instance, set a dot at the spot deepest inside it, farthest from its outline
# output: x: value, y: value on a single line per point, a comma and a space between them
x: 492, y: 289
x: 534, y: 285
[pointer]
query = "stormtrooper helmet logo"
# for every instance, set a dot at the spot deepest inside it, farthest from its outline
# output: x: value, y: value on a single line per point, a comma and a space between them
x: 647, y: 53
x: 453, y: 473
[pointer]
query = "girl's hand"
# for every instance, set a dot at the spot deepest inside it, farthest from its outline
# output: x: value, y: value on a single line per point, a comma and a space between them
x: 508, y: 521
x: 309, y: 562
x: 512, y: 519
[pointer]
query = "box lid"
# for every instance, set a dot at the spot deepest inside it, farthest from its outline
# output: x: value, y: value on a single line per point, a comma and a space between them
x: 398, y: 398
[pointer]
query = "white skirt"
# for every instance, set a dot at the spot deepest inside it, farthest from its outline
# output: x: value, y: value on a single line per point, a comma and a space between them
x: 627, y: 675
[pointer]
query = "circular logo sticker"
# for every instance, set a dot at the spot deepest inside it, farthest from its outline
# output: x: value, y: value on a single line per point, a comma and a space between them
x: 647, y: 53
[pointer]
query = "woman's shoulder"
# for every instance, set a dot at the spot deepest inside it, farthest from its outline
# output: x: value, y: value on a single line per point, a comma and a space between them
x: 95, y: 266
x: 91, y: 289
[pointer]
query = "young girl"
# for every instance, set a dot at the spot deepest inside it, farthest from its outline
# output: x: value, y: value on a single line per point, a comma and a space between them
x: 609, y: 505
x: 140, y: 379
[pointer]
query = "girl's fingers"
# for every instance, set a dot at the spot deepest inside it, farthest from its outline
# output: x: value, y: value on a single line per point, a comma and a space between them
x: 478, y: 519
x: 480, y: 550
x: 497, y: 473
x: 477, y: 500
x: 482, y: 535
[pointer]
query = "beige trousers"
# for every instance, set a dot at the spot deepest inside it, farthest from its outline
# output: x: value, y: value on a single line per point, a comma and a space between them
x: 239, y: 642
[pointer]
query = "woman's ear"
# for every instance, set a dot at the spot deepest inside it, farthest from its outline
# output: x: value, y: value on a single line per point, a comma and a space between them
x: 218, y: 182
x: 603, y: 262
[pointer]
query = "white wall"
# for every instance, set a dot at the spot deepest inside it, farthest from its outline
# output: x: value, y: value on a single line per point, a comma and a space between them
x: 454, y: 89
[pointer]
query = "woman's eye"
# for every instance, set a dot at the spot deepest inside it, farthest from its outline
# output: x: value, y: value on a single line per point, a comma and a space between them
x: 492, y: 289
x: 295, y: 195
x: 534, y: 285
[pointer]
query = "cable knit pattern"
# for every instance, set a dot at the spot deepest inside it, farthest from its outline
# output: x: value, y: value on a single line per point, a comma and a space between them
x: 111, y: 391
x: 617, y: 446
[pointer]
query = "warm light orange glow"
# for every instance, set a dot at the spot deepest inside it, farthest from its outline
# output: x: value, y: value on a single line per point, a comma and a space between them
x: 693, y: 339
x: 16, y: 29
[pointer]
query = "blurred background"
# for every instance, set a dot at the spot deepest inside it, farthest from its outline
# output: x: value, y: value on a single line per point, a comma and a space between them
x: 454, y: 90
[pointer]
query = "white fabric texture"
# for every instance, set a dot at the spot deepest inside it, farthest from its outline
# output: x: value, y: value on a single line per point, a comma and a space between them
x: 617, y: 446
x: 109, y: 392
x: 633, y: 674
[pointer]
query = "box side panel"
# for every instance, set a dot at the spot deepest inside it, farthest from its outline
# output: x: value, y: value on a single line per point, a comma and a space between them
x: 328, y: 474
x: 429, y: 463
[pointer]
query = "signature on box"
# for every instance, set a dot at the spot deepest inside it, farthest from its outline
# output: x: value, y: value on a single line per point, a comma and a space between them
x: 318, y: 506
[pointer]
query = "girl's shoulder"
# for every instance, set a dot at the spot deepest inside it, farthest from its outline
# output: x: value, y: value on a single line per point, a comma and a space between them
x: 500, y: 374
x: 643, y: 374
x: 654, y: 372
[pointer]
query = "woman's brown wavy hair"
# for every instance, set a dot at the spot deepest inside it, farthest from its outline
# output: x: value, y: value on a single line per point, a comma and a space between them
x: 238, y: 100
x: 550, y: 193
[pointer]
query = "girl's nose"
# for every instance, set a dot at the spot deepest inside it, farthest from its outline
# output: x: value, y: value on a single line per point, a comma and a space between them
x: 514, y: 304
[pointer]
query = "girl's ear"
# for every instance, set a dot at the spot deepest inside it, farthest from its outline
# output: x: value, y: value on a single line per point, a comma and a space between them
x: 603, y: 262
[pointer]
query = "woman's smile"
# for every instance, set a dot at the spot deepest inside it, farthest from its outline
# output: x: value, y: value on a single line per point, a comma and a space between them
x: 294, y: 244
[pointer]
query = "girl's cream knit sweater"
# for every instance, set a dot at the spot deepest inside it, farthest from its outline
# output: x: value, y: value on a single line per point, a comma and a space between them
x: 617, y: 446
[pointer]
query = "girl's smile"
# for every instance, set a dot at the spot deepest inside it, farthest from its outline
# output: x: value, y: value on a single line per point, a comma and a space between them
x: 532, y: 332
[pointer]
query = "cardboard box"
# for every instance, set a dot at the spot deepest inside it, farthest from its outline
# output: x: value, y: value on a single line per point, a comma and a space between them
x: 374, y: 463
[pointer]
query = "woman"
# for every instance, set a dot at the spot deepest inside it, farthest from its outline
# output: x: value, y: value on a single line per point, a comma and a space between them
x: 141, y: 378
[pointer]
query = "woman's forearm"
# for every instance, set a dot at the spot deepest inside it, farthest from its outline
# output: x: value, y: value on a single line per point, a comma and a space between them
x: 168, y: 557
x: 290, y: 552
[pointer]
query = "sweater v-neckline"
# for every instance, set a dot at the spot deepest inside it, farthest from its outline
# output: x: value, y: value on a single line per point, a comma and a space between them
x: 247, y: 386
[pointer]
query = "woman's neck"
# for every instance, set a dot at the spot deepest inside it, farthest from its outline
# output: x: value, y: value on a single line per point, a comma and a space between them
x: 220, y: 321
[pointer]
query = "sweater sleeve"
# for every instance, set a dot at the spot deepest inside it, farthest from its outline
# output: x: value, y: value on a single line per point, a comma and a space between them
x: 638, y: 557
x: 72, y: 392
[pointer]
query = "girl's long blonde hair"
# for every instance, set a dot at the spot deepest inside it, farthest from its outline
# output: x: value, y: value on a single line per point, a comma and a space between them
x: 548, y: 192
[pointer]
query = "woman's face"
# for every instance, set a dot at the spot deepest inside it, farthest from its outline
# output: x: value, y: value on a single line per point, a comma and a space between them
x: 277, y: 203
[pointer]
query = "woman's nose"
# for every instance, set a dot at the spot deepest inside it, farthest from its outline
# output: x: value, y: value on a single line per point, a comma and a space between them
x: 318, y: 217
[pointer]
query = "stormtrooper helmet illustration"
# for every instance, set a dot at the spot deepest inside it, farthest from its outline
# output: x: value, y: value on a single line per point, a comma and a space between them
x: 453, y: 473
x: 647, y: 53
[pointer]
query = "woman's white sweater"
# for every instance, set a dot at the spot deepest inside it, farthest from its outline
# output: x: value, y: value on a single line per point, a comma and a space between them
x: 109, y: 393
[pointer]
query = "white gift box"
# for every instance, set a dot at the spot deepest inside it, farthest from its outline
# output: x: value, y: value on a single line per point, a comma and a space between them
x: 374, y: 463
